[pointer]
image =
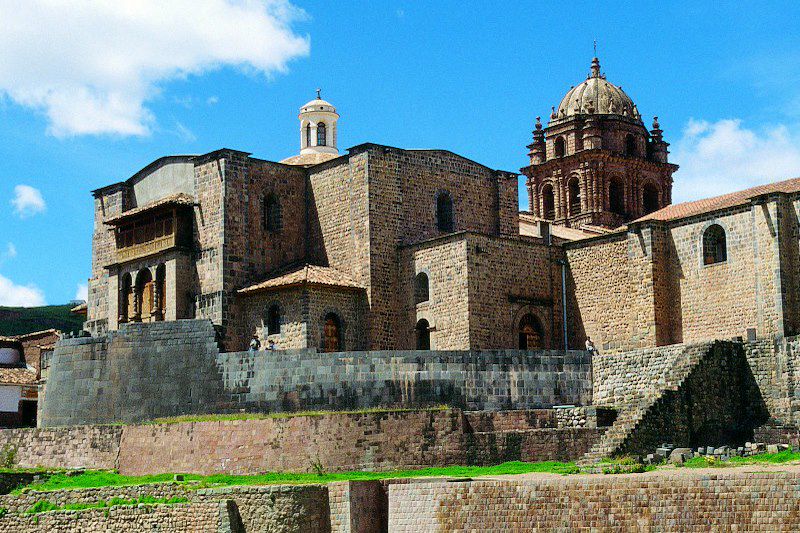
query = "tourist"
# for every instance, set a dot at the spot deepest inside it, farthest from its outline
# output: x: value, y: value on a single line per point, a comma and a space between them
x: 271, y: 345
x: 255, y: 344
x: 590, y: 347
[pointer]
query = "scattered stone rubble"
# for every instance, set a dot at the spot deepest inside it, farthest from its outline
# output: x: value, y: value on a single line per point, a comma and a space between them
x: 676, y: 455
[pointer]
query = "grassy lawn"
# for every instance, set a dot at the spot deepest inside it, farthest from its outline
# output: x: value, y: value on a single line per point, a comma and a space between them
x: 91, y: 479
x: 262, y: 416
x: 764, y: 458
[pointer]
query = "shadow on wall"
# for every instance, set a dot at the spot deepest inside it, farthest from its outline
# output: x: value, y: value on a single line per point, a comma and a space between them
x: 719, y: 403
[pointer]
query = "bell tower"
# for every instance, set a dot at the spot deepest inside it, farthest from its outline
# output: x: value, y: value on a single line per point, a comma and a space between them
x: 595, y: 163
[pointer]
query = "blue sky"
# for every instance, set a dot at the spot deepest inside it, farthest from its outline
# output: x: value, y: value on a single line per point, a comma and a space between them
x: 92, y: 93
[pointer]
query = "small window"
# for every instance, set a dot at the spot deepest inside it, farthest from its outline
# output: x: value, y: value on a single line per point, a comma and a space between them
x: 273, y: 320
x: 421, y: 292
x: 321, y: 134
x: 548, y: 202
x: 630, y: 145
x: 650, y: 198
x: 423, y: 331
x: 271, y: 216
x: 531, y: 336
x: 444, y: 213
x: 331, y: 334
x: 308, y: 134
x: 574, y: 196
x: 560, y: 147
x: 616, y: 197
x: 714, y: 247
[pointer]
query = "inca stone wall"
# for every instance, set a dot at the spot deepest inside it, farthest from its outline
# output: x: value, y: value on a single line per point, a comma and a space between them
x: 146, y: 371
x: 92, y: 447
x: 142, y: 371
x: 685, y: 501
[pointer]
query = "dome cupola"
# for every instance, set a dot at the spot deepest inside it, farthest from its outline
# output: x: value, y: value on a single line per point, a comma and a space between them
x: 596, y: 95
x: 318, y: 133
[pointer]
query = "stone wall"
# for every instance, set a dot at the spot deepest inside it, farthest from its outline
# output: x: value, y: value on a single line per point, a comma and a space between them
x: 686, y: 501
x: 189, y: 518
x: 93, y: 447
x: 140, y: 372
x: 476, y: 380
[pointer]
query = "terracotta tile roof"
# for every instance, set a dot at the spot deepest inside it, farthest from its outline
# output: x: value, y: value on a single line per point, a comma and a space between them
x: 174, y: 199
x: 17, y: 376
x: 698, y: 207
x: 307, y: 275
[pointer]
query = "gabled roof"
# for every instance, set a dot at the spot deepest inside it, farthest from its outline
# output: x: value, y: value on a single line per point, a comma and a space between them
x: 175, y: 199
x: 306, y: 275
x: 734, y: 199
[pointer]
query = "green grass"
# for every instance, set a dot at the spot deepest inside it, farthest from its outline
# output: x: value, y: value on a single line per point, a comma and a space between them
x: 261, y: 416
x: 763, y: 458
x: 93, y: 479
x: 21, y: 320
x: 43, y: 506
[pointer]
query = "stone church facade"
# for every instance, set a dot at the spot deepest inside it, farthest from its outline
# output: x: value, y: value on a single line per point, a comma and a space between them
x: 383, y: 248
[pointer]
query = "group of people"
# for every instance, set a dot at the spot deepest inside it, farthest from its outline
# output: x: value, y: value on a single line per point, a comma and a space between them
x: 255, y: 344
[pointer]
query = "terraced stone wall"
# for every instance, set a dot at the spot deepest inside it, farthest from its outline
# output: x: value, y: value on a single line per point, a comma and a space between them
x: 687, y: 501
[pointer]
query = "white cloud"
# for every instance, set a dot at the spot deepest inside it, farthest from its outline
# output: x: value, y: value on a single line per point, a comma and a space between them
x: 83, y: 292
x: 724, y: 156
x: 27, y: 201
x: 11, y: 251
x: 185, y: 133
x: 90, y: 66
x: 211, y: 100
x: 14, y: 295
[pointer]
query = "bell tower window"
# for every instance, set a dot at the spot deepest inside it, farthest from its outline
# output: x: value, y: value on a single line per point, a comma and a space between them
x: 616, y: 196
x: 574, y: 197
x: 321, y: 134
x: 548, y: 202
x: 560, y: 147
x: 650, y: 198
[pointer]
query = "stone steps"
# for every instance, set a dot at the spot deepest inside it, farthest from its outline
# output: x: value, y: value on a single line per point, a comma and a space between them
x: 634, y: 412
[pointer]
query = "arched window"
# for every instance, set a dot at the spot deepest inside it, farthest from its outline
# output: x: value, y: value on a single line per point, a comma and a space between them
x: 548, y: 202
x: 271, y: 215
x: 531, y: 336
x: 715, y: 249
x: 444, y: 212
x: 630, y: 145
x: 273, y: 319
x: 574, y: 196
x: 616, y: 196
x: 423, y: 330
x: 421, y: 293
x: 332, y: 334
x: 650, y: 198
x: 321, y: 136
x: 560, y: 147
x: 308, y: 134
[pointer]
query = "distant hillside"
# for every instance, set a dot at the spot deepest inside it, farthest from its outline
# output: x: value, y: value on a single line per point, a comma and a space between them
x: 20, y: 320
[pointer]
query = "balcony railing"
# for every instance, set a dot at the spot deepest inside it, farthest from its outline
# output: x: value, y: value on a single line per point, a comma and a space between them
x: 146, y: 248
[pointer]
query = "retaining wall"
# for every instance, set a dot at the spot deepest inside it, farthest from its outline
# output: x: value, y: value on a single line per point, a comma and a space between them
x: 93, y: 447
x: 150, y: 370
x: 689, y: 501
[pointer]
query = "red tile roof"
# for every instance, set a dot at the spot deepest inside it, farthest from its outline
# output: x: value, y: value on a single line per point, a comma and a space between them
x: 175, y: 199
x: 699, y: 207
x: 307, y: 275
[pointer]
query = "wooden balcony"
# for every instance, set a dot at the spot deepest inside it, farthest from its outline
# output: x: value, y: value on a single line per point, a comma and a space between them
x: 145, y: 249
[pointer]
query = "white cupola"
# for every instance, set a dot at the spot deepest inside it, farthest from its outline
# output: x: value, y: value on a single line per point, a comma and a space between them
x: 318, y: 127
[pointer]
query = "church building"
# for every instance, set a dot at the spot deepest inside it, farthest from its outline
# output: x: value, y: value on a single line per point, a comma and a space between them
x: 382, y: 248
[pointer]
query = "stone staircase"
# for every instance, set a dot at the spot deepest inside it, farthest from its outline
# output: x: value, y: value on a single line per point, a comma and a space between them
x: 633, y: 412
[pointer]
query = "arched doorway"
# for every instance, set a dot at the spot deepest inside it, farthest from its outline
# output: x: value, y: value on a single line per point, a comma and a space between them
x: 145, y: 289
x: 125, y: 298
x: 332, y: 333
x: 423, y: 330
x: 548, y: 203
x: 531, y: 335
